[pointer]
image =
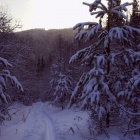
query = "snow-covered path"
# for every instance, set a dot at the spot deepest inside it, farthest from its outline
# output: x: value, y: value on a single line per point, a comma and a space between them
x: 44, y: 121
x: 37, y: 126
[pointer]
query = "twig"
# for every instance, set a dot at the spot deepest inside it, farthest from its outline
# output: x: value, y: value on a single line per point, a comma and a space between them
x: 132, y: 129
x: 25, y: 117
x: 71, y: 129
x: 77, y: 126
x: 107, y: 135
x: 134, y: 85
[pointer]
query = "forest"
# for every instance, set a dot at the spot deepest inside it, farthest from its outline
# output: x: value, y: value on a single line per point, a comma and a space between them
x: 93, y: 67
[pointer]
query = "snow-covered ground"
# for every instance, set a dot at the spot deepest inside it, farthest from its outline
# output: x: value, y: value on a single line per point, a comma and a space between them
x: 43, y: 121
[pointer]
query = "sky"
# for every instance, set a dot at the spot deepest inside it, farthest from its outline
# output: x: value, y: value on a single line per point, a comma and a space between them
x: 49, y: 14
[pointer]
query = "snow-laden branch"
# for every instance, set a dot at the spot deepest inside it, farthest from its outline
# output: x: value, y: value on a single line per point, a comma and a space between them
x: 129, y: 112
x: 5, y: 62
x: 119, y: 13
x: 122, y: 33
x: 93, y: 6
x: 13, y: 79
x: 81, y: 26
x: 122, y: 6
x: 99, y: 13
x: 130, y: 30
x: 91, y: 29
x: 79, y: 54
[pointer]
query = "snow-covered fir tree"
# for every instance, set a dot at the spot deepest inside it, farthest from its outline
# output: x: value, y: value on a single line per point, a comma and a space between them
x: 114, y: 61
x: 60, y: 86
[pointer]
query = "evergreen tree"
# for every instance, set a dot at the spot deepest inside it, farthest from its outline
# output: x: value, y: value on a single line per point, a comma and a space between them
x: 61, y: 82
x: 113, y: 61
x: 61, y: 86
x: 135, y: 17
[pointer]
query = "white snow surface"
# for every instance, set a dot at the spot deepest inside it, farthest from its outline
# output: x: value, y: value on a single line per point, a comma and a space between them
x: 29, y: 123
x: 44, y: 121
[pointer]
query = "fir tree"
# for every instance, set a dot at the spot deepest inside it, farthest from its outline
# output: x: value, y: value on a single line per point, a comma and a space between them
x: 112, y: 59
x: 61, y: 86
x: 61, y: 82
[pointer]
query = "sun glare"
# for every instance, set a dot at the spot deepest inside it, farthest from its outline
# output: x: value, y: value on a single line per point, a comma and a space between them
x: 47, y: 14
x: 38, y: 13
x: 53, y: 14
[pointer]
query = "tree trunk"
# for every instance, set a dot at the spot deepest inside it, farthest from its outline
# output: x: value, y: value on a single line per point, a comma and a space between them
x: 107, y: 119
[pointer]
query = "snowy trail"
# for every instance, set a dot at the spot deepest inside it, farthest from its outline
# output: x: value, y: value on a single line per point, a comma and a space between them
x: 43, y: 121
x: 38, y: 126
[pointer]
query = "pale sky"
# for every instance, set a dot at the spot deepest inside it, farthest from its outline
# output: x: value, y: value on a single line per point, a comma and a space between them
x: 49, y: 14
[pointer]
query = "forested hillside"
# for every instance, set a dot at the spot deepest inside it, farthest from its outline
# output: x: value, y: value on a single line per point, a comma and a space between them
x: 36, y: 51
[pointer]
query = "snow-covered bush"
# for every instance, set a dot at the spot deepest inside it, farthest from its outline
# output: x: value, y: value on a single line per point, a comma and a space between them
x: 114, y: 61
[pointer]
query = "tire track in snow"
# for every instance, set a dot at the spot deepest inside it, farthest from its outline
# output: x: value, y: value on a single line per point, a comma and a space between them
x: 39, y: 126
x: 49, y: 131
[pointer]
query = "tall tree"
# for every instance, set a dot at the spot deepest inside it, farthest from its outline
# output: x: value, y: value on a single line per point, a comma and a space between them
x: 98, y: 88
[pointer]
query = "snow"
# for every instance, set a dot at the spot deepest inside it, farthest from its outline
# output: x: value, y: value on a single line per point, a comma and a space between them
x: 30, y: 123
x: 44, y: 121
x: 119, y: 13
x: 5, y: 62
x: 2, y: 81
